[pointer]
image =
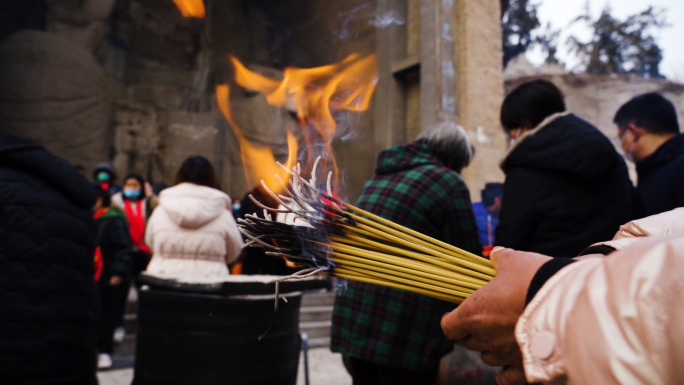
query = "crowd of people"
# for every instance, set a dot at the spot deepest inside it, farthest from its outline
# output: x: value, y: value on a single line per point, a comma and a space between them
x: 72, y: 249
x: 567, y: 188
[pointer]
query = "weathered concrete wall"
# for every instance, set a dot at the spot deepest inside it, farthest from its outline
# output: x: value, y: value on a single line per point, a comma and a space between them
x: 55, y: 93
x: 480, y: 88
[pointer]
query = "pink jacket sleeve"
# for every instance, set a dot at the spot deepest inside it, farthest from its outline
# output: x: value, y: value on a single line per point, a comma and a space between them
x: 667, y: 223
x: 612, y: 320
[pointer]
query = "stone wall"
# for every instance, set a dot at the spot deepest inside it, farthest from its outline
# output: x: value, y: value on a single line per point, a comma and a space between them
x: 480, y: 88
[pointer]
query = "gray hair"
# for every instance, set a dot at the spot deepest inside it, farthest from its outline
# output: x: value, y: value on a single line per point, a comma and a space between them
x: 450, y: 144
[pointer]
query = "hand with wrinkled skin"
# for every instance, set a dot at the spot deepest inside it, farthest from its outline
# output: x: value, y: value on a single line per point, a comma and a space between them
x: 485, y: 322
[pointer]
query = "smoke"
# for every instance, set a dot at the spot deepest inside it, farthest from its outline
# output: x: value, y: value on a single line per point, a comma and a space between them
x: 355, y: 20
x: 386, y: 19
x: 341, y: 286
x: 347, y: 125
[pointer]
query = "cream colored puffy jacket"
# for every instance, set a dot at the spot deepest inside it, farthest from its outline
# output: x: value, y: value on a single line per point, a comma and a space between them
x: 613, y: 320
x: 192, y: 232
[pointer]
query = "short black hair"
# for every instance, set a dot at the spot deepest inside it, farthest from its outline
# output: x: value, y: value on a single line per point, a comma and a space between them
x: 650, y: 111
x: 197, y: 170
x: 104, y: 195
x: 533, y: 101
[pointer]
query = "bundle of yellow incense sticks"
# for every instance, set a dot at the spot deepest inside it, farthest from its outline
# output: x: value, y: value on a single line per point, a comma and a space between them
x: 317, y: 230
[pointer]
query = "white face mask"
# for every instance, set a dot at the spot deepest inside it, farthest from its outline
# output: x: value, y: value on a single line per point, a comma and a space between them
x: 629, y: 153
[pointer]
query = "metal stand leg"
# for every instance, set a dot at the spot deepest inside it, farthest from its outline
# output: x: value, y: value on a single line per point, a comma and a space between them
x: 305, y: 350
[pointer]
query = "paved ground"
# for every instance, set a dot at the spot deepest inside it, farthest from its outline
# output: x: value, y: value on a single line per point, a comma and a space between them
x: 325, y: 368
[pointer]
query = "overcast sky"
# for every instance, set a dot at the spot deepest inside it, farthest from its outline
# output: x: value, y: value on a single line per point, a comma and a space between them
x: 670, y: 39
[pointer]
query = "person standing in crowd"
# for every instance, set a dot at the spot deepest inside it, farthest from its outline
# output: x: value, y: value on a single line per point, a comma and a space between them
x: 47, y: 232
x: 391, y: 336
x: 105, y: 177
x: 113, y: 242
x: 193, y: 231
x: 649, y: 134
x: 138, y: 206
x: 566, y: 186
x: 600, y: 320
x: 487, y: 215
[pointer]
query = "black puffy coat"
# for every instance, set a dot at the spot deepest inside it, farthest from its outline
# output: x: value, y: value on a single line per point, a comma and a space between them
x: 566, y: 187
x: 47, y: 292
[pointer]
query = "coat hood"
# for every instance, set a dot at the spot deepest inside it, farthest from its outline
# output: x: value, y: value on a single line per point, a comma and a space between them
x: 29, y: 157
x: 192, y: 206
x: 405, y: 157
x: 565, y: 144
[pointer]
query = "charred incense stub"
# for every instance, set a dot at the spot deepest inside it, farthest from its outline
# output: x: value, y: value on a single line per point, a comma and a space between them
x: 323, y: 233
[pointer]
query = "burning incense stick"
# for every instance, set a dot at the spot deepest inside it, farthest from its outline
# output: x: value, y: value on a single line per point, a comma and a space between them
x: 328, y: 234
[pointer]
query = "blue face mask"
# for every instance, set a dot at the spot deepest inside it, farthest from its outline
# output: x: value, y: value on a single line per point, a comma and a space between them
x: 236, y: 207
x: 131, y: 193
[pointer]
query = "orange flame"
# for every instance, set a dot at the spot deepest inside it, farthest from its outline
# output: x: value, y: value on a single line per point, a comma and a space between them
x: 314, y: 94
x: 259, y: 162
x: 191, y: 8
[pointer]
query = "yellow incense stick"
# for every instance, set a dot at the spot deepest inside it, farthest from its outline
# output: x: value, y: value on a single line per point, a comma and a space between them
x: 405, y: 262
x: 481, y: 268
x: 367, y: 279
x: 344, y: 261
x: 412, y: 232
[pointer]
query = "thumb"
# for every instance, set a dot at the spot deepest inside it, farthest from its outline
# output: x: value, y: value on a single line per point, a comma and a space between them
x: 498, y: 254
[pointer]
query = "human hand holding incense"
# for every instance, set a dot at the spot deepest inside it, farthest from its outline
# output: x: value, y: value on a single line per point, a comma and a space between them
x: 486, y: 320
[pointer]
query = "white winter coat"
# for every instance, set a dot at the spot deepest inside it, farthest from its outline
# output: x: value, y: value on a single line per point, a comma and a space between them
x: 192, y: 232
x: 613, y: 320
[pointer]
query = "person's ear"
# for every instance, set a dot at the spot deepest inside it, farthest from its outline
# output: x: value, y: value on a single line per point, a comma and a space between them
x: 636, y: 131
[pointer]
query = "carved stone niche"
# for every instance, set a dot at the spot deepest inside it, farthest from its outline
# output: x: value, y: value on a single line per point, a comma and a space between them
x: 136, y: 139
x: 84, y: 21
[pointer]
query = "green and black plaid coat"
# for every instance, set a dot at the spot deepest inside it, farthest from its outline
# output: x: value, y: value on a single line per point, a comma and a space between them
x: 394, y: 327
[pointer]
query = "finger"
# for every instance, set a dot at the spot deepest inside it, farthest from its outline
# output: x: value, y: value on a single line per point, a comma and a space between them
x: 496, y: 359
x: 454, y: 324
x: 474, y: 343
x: 497, y: 255
x: 502, y: 352
x: 511, y: 375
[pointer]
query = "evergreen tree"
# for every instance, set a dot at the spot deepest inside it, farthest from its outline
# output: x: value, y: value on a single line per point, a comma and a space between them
x: 518, y: 21
x: 621, y: 46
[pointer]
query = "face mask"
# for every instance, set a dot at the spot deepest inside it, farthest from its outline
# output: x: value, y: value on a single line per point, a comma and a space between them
x: 103, y: 176
x: 629, y: 153
x: 236, y: 207
x: 131, y: 193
